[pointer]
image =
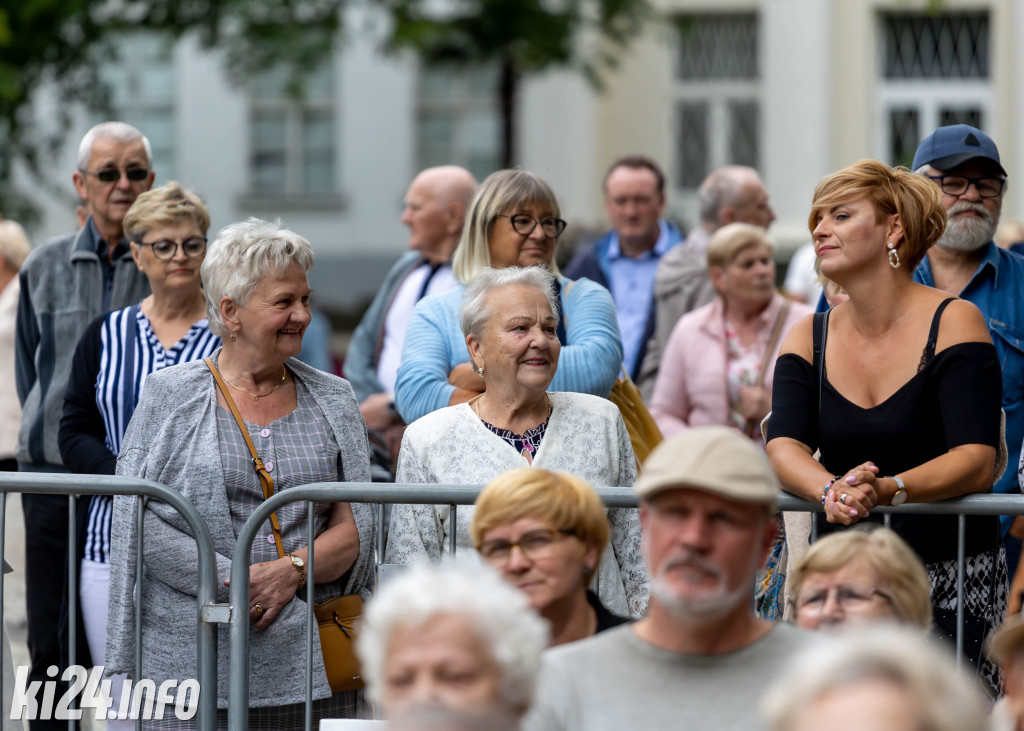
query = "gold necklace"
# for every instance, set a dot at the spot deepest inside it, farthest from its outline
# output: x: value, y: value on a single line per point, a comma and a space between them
x: 258, y: 396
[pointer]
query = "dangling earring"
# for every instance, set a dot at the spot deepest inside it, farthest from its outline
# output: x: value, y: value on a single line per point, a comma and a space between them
x: 894, y: 256
x: 480, y: 371
x: 233, y: 337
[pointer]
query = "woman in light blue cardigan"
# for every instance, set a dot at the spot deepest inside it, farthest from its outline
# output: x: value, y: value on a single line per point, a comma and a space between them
x: 512, y: 221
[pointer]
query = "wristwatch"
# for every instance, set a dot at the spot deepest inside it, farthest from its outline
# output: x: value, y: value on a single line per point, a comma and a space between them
x: 300, y: 566
x: 900, y: 496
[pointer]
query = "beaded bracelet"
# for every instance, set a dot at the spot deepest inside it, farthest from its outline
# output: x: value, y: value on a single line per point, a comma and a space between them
x: 828, y: 486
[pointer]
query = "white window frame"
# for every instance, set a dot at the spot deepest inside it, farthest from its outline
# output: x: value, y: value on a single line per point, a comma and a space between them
x: 928, y: 97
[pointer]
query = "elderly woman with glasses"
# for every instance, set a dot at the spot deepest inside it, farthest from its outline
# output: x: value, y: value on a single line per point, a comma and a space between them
x: 545, y: 533
x: 509, y: 317
x: 860, y: 576
x: 513, y: 220
x: 118, y: 351
x: 305, y: 426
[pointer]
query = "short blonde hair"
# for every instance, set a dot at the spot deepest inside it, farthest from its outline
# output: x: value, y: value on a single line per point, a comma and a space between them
x: 14, y: 246
x: 914, y: 198
x: 728, y: 241
x: 896, y: 564
x: 563, y: 500
x: 163, y: 206
x: 504, y: 190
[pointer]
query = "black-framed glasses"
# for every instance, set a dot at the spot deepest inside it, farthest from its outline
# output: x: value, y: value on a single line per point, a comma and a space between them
x: 958, y: 184
x: 523, y: 224
x: 166, y: 249
x: 534, y: 544
x: 112, y: 175
x: 851, y: 597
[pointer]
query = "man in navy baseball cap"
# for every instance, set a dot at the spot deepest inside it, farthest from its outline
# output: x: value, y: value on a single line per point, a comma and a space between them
x: 964, y: 163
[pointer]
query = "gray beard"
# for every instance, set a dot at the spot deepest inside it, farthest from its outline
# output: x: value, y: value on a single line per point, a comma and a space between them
x: 969, y: 234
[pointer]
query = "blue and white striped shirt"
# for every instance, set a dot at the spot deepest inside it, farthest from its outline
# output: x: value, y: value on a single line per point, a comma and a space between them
x: 150, y: 356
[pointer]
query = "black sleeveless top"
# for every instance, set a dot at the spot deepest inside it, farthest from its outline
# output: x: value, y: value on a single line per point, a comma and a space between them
x: 953, y: 399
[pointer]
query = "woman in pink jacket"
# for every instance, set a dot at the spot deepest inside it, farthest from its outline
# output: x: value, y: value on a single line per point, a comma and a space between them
x: 719, y: 360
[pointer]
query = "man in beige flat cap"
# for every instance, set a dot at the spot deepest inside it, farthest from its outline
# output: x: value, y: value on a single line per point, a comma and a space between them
x: 700, y: 659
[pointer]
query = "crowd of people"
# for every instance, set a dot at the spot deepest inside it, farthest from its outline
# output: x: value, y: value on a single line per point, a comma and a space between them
x: 144, y: 347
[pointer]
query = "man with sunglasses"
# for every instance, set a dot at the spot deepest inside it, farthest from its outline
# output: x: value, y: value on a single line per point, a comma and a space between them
x: 65, y: 284
x: 964, y: 164
x: 626, y: 258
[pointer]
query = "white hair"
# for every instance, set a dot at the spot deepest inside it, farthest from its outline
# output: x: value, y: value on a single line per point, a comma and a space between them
x: 924, y: 671
x: 117, y: 131
x: 241, y: 255
x: 500, y: 613
x: 474, y: 312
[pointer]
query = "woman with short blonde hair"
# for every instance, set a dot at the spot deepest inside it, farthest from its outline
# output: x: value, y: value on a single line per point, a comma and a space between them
x: 559, y: 525
x: 892, y: 581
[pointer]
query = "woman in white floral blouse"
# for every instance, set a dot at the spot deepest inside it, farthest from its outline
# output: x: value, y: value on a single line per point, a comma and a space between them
x: 510, y: 317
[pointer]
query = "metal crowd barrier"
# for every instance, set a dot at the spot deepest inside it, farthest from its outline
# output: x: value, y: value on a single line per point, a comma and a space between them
x: 208, y: 613
x: 455, y: 495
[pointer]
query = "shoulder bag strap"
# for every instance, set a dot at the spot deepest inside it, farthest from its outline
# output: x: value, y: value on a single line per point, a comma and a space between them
x: 266, y: 481
x: 128, y: 394
x: 772, y: 342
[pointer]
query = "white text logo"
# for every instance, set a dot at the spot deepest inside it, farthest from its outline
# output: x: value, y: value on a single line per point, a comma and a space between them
x: 141, y: 700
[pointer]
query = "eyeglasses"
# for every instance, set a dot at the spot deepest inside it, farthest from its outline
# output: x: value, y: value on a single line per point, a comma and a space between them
x: 534, y: 544
x: 958, y: 184
x: 851, y: 597
x: 523, y: 224
x: 112, y: 175
x: 166, y: 249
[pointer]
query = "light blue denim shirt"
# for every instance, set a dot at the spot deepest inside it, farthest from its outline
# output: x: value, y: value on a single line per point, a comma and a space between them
x: 631, y: 280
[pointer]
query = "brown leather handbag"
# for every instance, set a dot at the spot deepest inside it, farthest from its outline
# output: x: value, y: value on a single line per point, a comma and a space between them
x: 339, y: 619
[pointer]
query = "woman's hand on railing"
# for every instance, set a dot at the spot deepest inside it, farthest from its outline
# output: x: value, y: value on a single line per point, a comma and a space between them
x: 853, y: 496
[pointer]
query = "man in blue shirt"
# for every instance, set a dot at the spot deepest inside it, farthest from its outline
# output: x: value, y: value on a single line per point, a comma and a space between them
x: 964, y: 163
x: 625, y: 259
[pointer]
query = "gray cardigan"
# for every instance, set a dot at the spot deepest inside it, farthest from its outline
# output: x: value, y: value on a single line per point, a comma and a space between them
x: 172, y: 439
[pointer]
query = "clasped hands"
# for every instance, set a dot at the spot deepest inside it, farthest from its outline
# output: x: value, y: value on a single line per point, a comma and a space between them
x: 854, y: 495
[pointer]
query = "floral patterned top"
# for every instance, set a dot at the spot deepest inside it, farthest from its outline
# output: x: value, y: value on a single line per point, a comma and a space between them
x: 742, y: 368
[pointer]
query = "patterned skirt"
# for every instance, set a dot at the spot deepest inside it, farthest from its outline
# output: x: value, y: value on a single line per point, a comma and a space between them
x: 986, y: 591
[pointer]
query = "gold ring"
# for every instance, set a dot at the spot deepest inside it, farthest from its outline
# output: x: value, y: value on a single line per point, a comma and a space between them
x: 257, y: 608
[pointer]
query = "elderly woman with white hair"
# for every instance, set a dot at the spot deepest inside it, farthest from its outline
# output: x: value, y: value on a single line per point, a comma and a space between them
x: 513, y: 221
x: 509, y: 318
x: 306, y: 427
x: 457, y: 637
x: 889, y: 679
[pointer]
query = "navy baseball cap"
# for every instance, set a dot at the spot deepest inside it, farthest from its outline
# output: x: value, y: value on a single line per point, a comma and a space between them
x: 950, y: 146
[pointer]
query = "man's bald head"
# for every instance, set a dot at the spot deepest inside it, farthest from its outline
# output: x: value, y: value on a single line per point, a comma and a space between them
x: 435, y: 209
x: 731, y: 194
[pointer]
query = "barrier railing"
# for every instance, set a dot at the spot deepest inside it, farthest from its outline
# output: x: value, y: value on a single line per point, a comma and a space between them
x: 208, y: 613
x: 455, y: 495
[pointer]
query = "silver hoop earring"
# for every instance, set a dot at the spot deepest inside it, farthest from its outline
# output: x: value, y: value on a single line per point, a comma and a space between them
x: 480, y: 371
x: 894, y: 256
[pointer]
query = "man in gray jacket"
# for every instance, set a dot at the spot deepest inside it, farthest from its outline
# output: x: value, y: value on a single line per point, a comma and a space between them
x: 730, y: 194
x: 701, y: 658
x: 435, y: 209
x: 65, y: 284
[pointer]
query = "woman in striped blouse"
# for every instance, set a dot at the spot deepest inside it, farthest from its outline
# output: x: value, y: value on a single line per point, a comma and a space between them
x: 167, y: 230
